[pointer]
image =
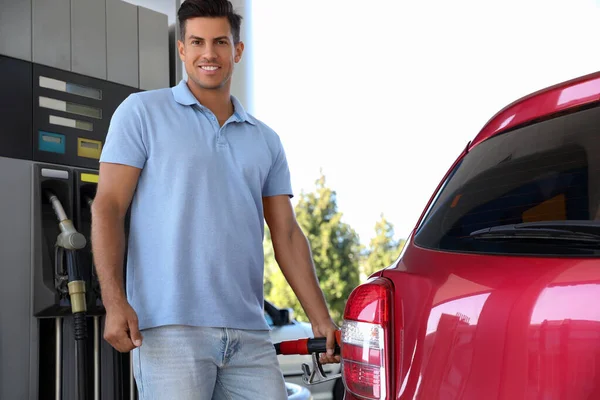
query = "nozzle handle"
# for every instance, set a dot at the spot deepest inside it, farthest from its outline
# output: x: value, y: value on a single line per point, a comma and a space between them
x: 304, y: 346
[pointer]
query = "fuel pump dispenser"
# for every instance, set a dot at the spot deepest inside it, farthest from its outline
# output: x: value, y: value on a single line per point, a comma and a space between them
x: 65, y: 66
x: 72, y: 359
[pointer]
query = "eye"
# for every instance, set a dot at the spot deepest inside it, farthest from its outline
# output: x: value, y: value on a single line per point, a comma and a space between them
x: 222, y: 42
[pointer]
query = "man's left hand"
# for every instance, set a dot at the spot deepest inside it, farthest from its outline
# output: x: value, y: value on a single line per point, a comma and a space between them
x: 328, y: 330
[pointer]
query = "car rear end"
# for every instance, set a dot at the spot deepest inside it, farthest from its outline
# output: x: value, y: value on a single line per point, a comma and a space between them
x: 497, y: 292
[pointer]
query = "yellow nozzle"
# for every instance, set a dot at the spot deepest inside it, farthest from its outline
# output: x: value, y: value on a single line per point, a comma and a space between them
x: 77, y: 294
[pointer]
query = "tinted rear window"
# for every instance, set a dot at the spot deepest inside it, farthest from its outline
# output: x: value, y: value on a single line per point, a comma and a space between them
x: 547, y: 171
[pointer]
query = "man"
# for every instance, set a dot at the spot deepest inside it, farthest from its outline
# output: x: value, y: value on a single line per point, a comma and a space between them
x: 200, y: 176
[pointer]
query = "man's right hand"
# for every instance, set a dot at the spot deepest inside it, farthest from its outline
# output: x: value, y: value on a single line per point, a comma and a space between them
x: 121, y: 329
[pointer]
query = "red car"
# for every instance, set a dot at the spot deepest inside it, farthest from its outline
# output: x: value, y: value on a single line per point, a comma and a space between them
x: 496, y: 294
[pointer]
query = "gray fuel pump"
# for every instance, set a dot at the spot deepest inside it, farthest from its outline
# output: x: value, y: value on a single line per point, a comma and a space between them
x: 65, y: 66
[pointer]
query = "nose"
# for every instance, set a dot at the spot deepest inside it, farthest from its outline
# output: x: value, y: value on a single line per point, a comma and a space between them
x: 209, y: 52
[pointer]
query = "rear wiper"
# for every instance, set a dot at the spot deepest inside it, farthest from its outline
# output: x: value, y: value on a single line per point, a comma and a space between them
x: 578, y: 231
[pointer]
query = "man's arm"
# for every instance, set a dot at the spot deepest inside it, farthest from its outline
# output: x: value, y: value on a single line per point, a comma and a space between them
x: 293, y: 254
x: 116, y: 186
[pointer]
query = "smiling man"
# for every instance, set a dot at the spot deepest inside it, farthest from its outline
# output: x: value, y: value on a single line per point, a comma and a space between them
x: 200, y: 176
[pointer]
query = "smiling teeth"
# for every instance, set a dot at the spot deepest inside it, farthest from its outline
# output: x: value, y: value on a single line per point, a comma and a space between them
x: 209, y: 68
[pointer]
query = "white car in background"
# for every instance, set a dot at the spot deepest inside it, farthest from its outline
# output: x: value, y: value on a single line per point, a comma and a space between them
x: 297, y: 392
x: 285, y: 327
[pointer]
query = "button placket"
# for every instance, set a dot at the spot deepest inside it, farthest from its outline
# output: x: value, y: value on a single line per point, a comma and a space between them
x: 220, y: 139
x: 213, y: 120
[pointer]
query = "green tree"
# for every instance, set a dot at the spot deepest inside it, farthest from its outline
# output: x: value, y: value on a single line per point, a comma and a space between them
x: 335, y: 249
x: 271, y: 266
x: 383, y: 248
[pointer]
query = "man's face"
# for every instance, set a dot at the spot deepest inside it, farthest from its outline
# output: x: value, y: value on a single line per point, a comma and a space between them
x: 209, y: 53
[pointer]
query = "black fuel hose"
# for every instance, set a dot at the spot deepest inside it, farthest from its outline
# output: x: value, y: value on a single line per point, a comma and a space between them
x: 79, y: 324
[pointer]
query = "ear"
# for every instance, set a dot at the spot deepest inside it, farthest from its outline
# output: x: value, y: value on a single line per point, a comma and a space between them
x: 239, y: 49
x: 181, y: 50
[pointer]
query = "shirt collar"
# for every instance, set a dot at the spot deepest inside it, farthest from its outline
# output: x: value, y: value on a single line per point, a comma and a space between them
x: 183, y: 95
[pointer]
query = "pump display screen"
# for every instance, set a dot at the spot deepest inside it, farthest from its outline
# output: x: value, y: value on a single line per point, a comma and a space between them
x: 68, y: 87
x: 52, y: 139
x: 90, y: 145
x: 70, y: 107
x: 71, y: 114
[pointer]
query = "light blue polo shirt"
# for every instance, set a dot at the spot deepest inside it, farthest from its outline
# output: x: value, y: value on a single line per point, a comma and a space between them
x: 195, y: 253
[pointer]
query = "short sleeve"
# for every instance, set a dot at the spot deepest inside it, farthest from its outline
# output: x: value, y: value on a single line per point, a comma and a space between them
x: 125, y: 142
x: 278, y: 180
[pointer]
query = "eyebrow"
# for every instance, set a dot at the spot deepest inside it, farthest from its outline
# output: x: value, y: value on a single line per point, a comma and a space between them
x: 193, y: 37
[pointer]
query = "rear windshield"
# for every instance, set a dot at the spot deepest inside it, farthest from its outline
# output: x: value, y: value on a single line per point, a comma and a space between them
x: 544, y: 172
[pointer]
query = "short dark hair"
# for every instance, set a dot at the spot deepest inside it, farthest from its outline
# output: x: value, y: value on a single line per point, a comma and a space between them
x: 209, y: 8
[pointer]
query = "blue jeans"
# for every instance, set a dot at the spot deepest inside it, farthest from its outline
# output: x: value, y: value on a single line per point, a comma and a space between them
x: 184, y: 363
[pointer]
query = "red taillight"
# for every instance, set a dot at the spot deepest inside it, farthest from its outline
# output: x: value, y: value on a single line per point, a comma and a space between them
x: 366, y: 339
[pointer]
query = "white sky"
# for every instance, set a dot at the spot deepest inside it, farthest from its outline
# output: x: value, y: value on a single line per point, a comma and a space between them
x: 383, y: 95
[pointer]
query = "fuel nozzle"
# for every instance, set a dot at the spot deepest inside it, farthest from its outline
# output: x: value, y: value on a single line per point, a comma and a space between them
x: 314, y: 347
x: 69, y: 238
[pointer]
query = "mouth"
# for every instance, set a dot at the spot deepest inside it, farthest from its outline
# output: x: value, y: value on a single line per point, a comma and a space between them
x: 209, y: 68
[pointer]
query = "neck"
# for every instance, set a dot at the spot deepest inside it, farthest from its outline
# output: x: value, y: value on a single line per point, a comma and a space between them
x: 216, y: 100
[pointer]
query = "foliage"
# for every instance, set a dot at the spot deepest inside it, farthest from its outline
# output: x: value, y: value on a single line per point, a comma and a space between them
x: 335, y: 249
x: 383, y: 248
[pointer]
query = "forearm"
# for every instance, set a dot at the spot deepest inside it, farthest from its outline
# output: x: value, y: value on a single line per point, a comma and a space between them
x: 108, y: 247
x: 294, y: 257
